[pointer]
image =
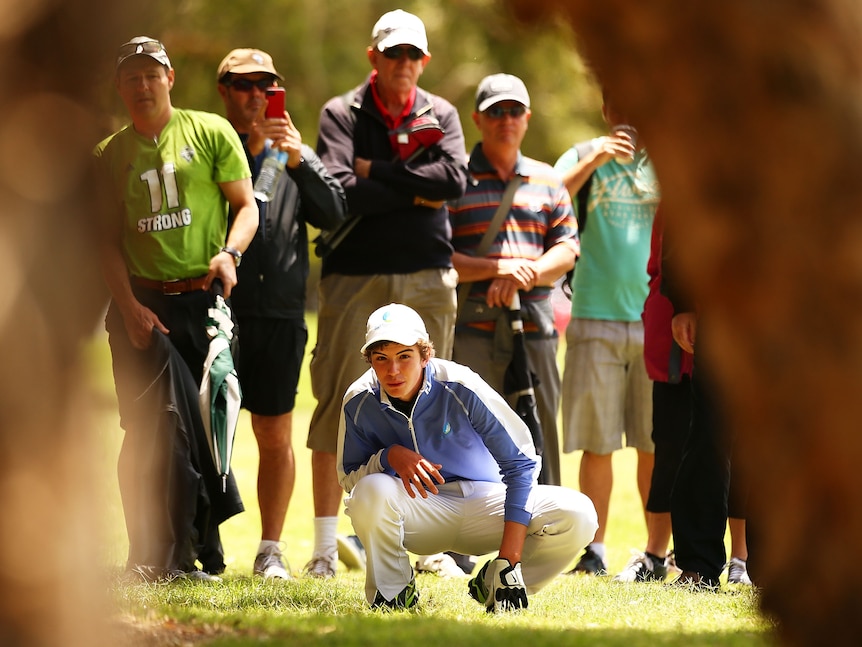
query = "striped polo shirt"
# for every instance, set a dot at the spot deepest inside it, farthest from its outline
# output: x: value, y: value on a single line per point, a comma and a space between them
x: 541, y: 216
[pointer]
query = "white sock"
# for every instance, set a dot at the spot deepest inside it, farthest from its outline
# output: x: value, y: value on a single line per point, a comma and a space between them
x: 598, y: 549
x: 325, y: 543
x: 268, y: 545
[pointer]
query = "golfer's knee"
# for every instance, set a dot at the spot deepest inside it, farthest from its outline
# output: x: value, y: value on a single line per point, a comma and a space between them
x: 568, y: 513
x: 584, y: 519
x: 372, y: 496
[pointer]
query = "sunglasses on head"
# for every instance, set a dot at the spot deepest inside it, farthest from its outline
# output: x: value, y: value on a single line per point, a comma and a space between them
x: 498, y: 111
x: 413, y: 53
x: 245, y: 85
x: 147, y: 47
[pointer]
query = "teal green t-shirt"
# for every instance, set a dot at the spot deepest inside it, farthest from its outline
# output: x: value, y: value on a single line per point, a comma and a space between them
x: 175, y: 215
x: 610, y: 281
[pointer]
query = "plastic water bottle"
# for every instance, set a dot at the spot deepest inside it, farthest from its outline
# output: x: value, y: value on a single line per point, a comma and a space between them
x: 272, y: 167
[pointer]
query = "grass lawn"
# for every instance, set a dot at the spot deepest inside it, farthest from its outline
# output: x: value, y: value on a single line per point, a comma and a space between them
x: 573, y: 610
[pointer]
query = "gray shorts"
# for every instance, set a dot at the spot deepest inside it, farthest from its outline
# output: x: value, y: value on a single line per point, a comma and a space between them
x: 606, y: 392
x: 345, y: 302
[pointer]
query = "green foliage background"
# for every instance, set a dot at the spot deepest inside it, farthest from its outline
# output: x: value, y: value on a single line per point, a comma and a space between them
x: 319, y: 47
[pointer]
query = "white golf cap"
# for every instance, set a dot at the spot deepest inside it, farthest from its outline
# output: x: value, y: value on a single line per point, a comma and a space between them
x: 399, y: 28
x: 396, y: 323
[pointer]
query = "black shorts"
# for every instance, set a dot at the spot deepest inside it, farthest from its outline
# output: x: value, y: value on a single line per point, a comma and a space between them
x: 270, y: 358
x: 671, y: 419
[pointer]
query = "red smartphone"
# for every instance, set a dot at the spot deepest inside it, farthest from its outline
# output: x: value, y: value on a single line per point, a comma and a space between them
x: 274, y: 103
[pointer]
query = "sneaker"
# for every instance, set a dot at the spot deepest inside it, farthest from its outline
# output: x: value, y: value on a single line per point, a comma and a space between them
x: 590, y: 563
x: 694, y: 582
x: 441, y: 564
x: 407, y: 599
x: 737, y: 571
x: 351, y: 552
x: 199, y: 576
x: 141, y: 574
x: 322, y: 567
x: 670, y: 564
x: 641, y: 568
x: 270, y: 565
x: 154, y: 575
x: 477, y: 588
x: 465, y: 562
x: 195, y: 576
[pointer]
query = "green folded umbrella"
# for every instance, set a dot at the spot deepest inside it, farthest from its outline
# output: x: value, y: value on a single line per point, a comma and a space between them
x: 220, y: 394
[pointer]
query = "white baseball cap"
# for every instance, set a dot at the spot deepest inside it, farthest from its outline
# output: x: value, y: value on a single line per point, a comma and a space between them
x: 399, y: 28
x: 143, y: 46
x: 396, y: 323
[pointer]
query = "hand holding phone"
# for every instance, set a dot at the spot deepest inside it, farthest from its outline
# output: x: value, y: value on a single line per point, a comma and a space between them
x: 274, y: 103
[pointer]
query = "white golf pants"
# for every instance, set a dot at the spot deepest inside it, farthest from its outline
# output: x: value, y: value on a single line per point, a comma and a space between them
x: 465, y: 517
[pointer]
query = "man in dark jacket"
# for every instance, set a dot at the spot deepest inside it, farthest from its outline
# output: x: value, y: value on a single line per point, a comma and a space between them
x: 269, y: 300
x: 397, y: 250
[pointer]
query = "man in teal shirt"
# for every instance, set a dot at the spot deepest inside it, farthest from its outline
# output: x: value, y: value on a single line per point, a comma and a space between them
x: 606, y: 391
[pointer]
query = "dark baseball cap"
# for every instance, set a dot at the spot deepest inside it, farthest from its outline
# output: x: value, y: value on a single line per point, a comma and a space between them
x: 501, y: 87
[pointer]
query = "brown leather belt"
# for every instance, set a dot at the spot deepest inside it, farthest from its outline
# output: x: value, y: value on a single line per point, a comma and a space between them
x: 177, y: 286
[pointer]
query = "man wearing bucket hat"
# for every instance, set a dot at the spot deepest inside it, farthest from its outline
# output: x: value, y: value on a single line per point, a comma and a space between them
x: 269, y: 300
x: 433, y: 459
x: 169, y: 179
x: 397, y: 209
x: 535, y: 244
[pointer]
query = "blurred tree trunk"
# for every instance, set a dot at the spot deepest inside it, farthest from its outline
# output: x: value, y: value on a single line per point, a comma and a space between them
x: 753, y: 115
x: 51, y: 574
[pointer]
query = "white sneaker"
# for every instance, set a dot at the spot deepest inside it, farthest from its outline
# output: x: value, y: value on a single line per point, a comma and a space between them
x: 351, y: 552
x: 737, y: 571
x: 321, y: 566
x: 440, y: 564
x: 270, y: 565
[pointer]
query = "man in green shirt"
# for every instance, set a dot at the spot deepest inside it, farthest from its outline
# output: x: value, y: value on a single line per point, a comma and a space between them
x: 168, y: 179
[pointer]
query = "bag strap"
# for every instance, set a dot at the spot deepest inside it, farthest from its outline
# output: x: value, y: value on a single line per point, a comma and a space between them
x: 492, y: 231
x: 583, y: 195
x: 582, y: 198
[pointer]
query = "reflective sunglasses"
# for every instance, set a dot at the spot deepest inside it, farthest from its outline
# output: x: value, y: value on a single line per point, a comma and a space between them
x: 147, y: 47
x: 394, y: 53
x: 498, y: 111
x: 245, y: 85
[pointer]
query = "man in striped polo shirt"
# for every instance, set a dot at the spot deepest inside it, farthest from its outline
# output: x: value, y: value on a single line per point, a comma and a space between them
x: 536, y: 244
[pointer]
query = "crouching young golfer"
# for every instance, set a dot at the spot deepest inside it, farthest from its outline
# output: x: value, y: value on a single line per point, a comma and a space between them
x: 433, y: 460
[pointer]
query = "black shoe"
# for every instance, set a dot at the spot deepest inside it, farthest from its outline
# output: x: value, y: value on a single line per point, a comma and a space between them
x: 695, y: 582
x: 465, y: 562
x: 590, y: 563
x: 642, y: 567
x: 407, y: 599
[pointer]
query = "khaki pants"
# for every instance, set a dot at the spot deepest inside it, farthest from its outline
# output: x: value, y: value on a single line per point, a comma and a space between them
x: 345, y: 304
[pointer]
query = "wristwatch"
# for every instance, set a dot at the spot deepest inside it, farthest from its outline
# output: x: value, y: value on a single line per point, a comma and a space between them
x: 237, y: 255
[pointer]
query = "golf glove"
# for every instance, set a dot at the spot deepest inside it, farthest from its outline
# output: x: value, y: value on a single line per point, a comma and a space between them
x: 499, y: 586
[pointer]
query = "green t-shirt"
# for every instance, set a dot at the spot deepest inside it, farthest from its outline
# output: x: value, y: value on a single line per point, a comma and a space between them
x: 175, y: 215
x: 611, y: 281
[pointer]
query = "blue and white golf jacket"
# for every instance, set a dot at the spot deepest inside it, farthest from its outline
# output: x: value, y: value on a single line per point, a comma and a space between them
x: 458, y: 421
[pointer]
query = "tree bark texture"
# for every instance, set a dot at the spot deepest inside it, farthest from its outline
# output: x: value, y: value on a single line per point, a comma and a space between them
x: 752, y: 113
x: 52, y: 588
